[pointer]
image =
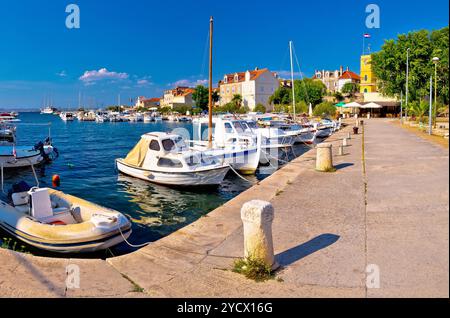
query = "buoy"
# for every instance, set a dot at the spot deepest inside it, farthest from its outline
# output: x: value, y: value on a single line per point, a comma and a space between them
x: 56, y: 180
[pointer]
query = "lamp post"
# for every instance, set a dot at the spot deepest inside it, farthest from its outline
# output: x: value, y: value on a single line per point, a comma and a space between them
x: 430, y: 126
x: 407, y: 80
x: 435, y: 61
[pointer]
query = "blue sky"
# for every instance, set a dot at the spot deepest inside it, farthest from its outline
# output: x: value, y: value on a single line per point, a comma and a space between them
x: 138, y: 47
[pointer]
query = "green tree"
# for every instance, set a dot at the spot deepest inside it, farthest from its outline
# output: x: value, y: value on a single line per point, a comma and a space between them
x: 389, y: 64
x: 215, y: 96
x: 201, y: 97
x: 309, y: 91
x: 165, y: 110
x: 281, y: 96
x: 350, y: 89
x: 324, y: 109
x: 260, y: 108
x: 338, y: 96
x: 113, y: 108
x: 300, y: 108
x: 237, y: 100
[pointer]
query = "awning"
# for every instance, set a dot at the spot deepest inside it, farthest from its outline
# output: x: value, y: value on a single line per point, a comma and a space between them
x: 371, y: 105
x: 352, y: 105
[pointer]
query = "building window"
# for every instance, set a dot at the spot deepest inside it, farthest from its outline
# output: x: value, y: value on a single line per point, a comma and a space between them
x: 365, y: 78
x: 365, y: 90
x: 228, y: 90
x: 233, y: 90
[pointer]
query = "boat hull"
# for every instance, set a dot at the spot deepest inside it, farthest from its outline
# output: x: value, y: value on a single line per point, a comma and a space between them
x: 195, y: 178
x: 72, y: 238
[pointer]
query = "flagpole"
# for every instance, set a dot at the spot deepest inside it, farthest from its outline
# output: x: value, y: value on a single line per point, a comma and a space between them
x: 364, y: 44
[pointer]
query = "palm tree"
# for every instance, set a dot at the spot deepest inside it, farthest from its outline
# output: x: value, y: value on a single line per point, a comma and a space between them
x: 419, y: 109
x: 237, y: 100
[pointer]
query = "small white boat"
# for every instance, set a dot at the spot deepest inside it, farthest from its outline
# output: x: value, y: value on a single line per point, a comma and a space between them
x: 148, y: 118
x: 47, y: 110
x: 232, y: 142
x: 165, y: 159
x: 13, y: 156
x: 67, y: 116
x: 58, y: 222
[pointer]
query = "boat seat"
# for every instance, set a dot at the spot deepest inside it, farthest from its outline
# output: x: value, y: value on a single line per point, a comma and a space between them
x: 21, y: 201
x: 41, y: 206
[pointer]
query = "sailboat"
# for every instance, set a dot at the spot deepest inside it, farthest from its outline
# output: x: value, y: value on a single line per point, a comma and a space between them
x: 229, y: 141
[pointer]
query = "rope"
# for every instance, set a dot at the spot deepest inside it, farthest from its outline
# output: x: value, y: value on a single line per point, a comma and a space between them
x: 132, y: 245
x: 237, y: 173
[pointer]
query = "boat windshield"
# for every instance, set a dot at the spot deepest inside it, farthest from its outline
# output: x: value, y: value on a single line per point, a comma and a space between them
x: 239, y: 128
x: 180, y: 144
x: 168, y: 144
x: 252, y: 124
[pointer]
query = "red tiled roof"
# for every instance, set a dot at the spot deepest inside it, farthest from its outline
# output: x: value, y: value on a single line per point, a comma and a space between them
x: 241, y: 76
x: 154, y: 99
x: 350, y: 75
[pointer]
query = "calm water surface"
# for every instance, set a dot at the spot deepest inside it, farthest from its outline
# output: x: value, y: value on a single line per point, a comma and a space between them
x: 86, y: 167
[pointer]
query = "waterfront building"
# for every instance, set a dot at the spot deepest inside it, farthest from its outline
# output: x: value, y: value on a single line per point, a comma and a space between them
x: 347, y: 77
x: 254, y: 86
x: 368, y: 80
x: 178, y: 97
x: 147, y: 102
x: 329, y: 78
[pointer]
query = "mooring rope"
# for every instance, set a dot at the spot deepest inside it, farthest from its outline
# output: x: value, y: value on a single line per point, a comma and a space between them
x: 132, y: 245
x: 240, y: 176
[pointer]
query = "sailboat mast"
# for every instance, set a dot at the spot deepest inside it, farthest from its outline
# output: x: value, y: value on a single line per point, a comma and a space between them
x: 210, y: 108
x: 292, y: 80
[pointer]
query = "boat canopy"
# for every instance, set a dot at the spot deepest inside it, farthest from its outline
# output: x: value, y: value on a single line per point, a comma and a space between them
x: 136, y: 156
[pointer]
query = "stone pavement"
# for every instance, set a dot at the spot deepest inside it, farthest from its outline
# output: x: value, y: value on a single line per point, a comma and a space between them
x: 328, y: 228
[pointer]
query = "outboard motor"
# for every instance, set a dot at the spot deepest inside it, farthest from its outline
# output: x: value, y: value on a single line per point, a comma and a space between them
x: 40, y: 147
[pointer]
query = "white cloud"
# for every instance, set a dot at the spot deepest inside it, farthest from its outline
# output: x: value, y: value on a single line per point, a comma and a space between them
x: 62, y: 74
x: 102, y: 74
x: 143, y: 82
x: 189, y: 82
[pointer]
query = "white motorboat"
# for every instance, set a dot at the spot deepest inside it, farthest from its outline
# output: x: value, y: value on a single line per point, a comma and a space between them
x: 272, y: 137
x: 67, y: 116
x: 47, y: 110
x: 165, y: 159
x: 8, y: 118
x: 13, y: 156
x: 232, y: 142
x: 53, y: 221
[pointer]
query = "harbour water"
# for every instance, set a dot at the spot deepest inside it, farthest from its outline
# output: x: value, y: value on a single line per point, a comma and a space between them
x: 86, y: 167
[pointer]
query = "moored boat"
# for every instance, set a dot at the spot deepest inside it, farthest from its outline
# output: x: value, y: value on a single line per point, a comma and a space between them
x: 165, y: 159
x: 53, y: 221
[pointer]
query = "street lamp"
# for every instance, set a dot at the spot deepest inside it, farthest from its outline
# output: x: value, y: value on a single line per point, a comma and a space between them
x: 435, y: 61
x: 407, y: 80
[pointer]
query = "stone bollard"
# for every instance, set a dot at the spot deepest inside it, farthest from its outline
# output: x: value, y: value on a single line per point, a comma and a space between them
x: 324, y: 157
x: 349, y: 136
x: 344, y: 142
x: 341, y: 150
x: 357, y: 123
x: 257, y: 217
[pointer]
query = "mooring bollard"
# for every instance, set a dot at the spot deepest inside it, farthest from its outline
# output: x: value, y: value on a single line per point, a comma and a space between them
x: 349, y: 136
x: 257, y: 217
x: 324, y: 157
x: 357, y: 123
x: 341, y: 150
x: 344, y: 142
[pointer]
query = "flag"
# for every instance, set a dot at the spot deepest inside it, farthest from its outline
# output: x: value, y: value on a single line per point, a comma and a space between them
x: 366, y: 35
x: 14, y: 152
